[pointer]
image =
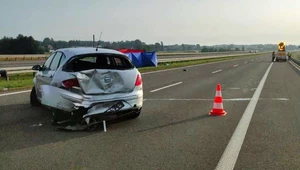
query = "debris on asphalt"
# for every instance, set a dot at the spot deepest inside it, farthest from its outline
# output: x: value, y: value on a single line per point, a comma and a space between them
x: 76, y: 127
x: 104, y: 125
x: 37, y: 125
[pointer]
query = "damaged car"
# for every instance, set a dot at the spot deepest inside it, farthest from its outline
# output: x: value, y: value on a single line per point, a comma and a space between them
x: 84, y: 86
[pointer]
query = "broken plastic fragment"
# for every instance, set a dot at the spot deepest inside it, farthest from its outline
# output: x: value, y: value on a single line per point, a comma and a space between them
x: 35, y: 125
x: 75, y: 128
x: 104, y: 126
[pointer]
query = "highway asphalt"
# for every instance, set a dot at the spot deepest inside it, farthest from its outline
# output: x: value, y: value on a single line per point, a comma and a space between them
x: 174, y: 130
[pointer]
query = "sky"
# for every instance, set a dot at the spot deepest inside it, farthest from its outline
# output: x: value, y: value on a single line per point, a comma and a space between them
x: 204, y: 22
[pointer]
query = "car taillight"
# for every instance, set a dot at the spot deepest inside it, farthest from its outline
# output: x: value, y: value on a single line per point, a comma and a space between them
x: 71, y: 83
x: 139, y: 80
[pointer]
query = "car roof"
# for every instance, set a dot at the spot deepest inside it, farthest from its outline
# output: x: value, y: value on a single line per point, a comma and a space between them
x: 70, y: 52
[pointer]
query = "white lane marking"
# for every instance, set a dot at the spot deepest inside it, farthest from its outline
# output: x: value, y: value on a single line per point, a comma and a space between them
x: 246, y: 62
x: 216, y: 71
x: 171, y: 85
x: 236, y: 65
x: 234, y: 88
x: 171, y: 69
x: 252, y: 60
x: 12, y: 93
x: 295, y: 65
x: 233, y: 99
x: 282, y: 99
x: 234, y: 146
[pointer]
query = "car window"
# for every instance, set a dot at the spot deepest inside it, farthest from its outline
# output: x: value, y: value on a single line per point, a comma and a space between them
x: 118, y: 61
x: 121, y: 63
x: 62, y: 60
x: 99, y: 61
x: 48, y: 61
x: 55, y: 61
x: 90, y: 59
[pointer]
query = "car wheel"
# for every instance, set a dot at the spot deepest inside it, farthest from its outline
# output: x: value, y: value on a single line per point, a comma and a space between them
x: 33, y: 98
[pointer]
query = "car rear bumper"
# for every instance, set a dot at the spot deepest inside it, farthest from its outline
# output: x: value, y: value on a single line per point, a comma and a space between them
x: 113, y: 115
x: 67, y: 101
x: 108, y: 107
x: 281, y: 57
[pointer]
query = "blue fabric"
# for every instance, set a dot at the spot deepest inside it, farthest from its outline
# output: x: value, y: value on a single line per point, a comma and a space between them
x: 129, y: 56
x: 143, y: 59
x: 137, y: 59
x: 149, y: 59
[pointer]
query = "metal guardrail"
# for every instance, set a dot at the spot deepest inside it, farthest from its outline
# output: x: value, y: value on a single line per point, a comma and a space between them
x: 295, y: 61
x: 5, y: 72
x: 166, y: 60
x: 23, y: 57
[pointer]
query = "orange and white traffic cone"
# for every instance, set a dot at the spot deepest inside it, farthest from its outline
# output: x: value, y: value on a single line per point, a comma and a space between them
x: 218, y: 104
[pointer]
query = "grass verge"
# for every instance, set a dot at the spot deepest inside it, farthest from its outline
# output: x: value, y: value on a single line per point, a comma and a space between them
x: 24, y: 81
x: 17, y: 82
x: 296, y: 55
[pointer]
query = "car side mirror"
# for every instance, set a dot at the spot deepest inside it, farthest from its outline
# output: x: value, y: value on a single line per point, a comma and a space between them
x: 37, y: 67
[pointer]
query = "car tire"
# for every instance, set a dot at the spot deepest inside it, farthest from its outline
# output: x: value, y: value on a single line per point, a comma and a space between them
x: 33, y: 98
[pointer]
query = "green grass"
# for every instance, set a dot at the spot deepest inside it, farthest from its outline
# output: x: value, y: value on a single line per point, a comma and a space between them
x: 25, y: 80
x: 296, y: 55
x: 17, y: 81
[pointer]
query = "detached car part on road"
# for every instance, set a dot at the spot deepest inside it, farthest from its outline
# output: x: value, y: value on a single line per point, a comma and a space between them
x: 84, y: 86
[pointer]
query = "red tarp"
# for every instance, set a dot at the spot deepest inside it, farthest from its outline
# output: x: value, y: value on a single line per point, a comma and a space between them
x: 124, y: 50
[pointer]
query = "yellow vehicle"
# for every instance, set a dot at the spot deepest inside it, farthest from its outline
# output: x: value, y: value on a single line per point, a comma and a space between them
x: 281, y: 52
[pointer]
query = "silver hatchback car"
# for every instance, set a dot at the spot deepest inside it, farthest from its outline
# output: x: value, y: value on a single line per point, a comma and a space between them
x: 84, y: 86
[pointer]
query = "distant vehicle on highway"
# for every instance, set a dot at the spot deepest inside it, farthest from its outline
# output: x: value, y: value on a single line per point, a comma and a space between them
x: 281, y: 54
x: 84, y: 86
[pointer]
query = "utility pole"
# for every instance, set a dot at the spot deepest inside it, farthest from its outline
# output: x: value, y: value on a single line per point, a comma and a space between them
x: 93, y: 41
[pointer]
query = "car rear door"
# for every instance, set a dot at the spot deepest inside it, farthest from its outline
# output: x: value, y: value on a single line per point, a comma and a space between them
x: 40, y: 75
x: 48, y: 75
x: 45, y: 76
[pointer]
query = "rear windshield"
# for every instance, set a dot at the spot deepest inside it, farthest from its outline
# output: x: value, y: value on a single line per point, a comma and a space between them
x: 98, y: 61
